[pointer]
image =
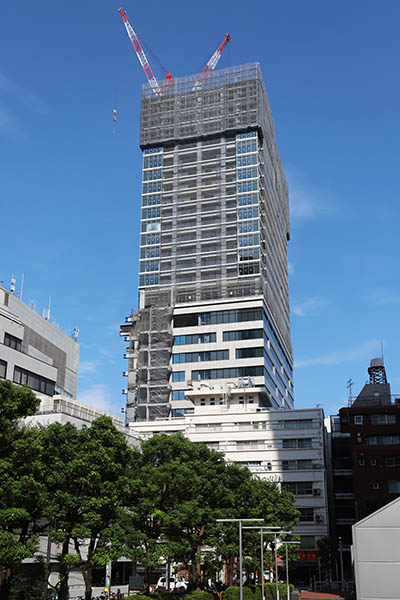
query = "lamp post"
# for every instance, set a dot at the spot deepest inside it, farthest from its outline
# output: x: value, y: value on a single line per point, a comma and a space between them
x: 240, y: 521
x: 275, y: 531
x: 287, y: 568
x: 341, y: 561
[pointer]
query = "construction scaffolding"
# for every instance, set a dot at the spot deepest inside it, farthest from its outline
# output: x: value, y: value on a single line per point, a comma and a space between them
x: 231, y: 99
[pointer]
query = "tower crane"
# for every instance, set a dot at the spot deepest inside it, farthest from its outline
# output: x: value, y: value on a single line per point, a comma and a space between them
x: 212, y: 63
x: 140, y: 53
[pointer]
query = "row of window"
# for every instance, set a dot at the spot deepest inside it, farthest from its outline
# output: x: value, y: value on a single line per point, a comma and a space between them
x: 250, y: 212
x: 151, y: 200
x: 149, y: 279
x: 150, y: 252
x: 248, y: 240
x: 247, y: 186
x: 297, y: 443
x: 188, y: 357
x: 246, y: 134
x: 147, y: 240
x: 242, y: 334
x: 389, y: 461
x: 152, y: 175
x: 248, y: 173
x: 244, y: 161
x: 147, y: 266
x: 34, y: 381
x: 197, y: 338
x: 12, y: 342
x: 297, y: 464
x: 248, y: 226
x: 151, y: 213
x: 249, y: 269
x: 152, y: 187
x: 249, y: 254
x: 227, y: 373
x: 382, y: 440
x: 239, y: 315
x: 379, y: 419
x: 299, y: 488
x: 245, y: 147
x: 246, y: 199
x: 249, y: 352
x: 152, y: 161
x: 148, y: 226
x: 152, y: 150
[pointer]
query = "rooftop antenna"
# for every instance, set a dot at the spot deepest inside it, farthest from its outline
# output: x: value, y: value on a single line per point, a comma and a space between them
x: 349, y: 385
x: 46, y: 313
x: 12, y: 284
x: 75, y: 333
x: 382, y: 353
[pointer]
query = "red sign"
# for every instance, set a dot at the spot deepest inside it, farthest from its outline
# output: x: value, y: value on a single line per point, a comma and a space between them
x: 307, y: 555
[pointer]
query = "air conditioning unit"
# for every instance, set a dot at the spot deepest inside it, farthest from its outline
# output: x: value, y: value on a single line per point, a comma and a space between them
x: 269, y: 466
x: 316, y: 492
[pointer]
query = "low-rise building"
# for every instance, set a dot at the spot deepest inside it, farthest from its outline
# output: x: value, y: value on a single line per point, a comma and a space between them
x: 287, y: 446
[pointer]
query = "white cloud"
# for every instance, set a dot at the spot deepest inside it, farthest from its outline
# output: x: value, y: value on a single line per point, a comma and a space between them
x: 88, y: 366
x: 307, y: 200
x: 98, y: 396
x: 382, y: 297
x: 291, y: 268
x: 307, y: 306
x: 22, y: 95
x: 363, y: 351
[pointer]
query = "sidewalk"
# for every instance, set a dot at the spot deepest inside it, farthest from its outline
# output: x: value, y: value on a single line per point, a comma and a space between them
x: 305, y: 595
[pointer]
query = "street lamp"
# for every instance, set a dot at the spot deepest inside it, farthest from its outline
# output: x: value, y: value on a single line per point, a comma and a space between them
x: 240, y: 521
x: 287, y: 567
x: 274, y: 531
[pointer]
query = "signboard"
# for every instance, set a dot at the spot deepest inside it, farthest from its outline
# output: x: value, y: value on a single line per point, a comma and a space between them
x: 307, y: 555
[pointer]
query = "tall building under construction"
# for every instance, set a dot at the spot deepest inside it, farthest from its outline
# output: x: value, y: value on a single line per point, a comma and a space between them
x: 212, y: 324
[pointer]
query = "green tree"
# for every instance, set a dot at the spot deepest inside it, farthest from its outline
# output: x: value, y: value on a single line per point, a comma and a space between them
x: 22, y: 489
x: 88, y: 477
x: 179, y: 490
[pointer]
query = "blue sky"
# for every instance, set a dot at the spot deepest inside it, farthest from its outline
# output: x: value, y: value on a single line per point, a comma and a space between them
x: 70, y: 189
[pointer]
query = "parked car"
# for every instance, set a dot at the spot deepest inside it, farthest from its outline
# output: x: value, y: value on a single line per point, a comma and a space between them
x: 174, y: 584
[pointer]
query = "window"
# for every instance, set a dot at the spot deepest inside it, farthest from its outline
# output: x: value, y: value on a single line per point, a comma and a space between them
x: 12, y: 342
x: 250, y: 352
x: 375, y: 485
x: 250, y: 444
x: 242, y: 334
x: 361, y: 462
x: 197, y: 338
x: 185, y: 357
x: 306, y: 515
x: 178, y: 394
x: 299, y: 488
x: 382, y: 440
x: 178, y: 376
x: 383, y: 419
x: 372, y: 462
x: 297, y: 443
x: 228, y: 373
x: 358, y: 420
x: 297, y: 465
x: 296, y: 423
x: 34, y: 381
x: 394, y: 487
x: 244, y: 161
x: 3, y: 369
x: 178, y: 413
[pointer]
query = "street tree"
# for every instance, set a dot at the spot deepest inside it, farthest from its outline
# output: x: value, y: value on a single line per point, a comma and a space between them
x: 22, y: 486
x: 88, y: 478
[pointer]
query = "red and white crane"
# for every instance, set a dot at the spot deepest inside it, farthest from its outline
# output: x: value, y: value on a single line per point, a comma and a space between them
x: 140, y: 53
x: 212, y: 63
x: 166, y: 86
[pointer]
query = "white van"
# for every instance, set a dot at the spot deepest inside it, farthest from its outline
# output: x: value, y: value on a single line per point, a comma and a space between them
x: 174, y: 584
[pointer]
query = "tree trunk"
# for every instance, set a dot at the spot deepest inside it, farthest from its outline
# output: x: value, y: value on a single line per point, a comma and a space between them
x: 87, y: 576
x: 147, y: 572
x: 5, y: 585
x: 64, y: 573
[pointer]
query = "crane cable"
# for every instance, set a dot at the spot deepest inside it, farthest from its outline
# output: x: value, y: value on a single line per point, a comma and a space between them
x: 116, y: 80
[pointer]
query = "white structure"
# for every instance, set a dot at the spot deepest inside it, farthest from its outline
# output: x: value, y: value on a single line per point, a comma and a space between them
x: 34, y: 352
x: 286, y: 446
x: 376, y: 553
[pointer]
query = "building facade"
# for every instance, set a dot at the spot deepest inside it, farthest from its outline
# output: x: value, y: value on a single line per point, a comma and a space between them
x: 283, y: 446
x: 213, y: 282
x: 365, y: 457
x: 34, y: 352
